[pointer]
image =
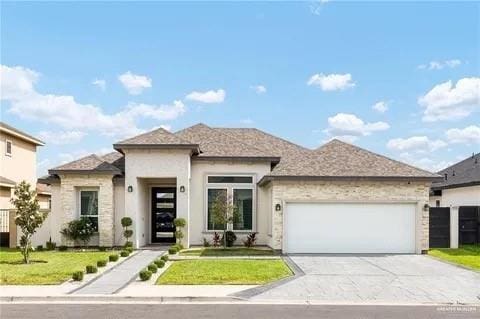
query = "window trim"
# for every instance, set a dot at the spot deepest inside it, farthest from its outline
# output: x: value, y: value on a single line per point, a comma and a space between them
x: 79, y: 205
x: 230, y: 187
x: 6, y: 147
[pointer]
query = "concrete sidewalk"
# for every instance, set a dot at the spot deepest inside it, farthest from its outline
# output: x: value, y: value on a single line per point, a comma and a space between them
x: 119, y: 276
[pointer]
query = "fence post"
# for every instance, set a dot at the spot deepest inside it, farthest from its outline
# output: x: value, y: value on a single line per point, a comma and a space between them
x: 454, y: 227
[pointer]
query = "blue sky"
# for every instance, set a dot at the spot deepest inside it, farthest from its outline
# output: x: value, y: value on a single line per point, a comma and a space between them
x: 400, y: 79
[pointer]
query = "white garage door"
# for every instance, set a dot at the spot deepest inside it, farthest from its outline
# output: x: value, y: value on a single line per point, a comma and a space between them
x: 349, y: 228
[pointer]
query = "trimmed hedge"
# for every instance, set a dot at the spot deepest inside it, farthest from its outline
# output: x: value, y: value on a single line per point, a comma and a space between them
x: 77, y: 276
x: 172, y: 250
x: 153, y: 268
x: 160, y: 263
x: 102, y: 263
x: 113, y: 257
x: 91, y: 269
x: 164, y: 258
x: 145, y: 275
x: 129, y: 249
x: 62, y: 248
x: 124, y: 253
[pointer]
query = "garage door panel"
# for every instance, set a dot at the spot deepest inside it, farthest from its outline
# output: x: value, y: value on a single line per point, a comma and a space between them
x: 349, y: 228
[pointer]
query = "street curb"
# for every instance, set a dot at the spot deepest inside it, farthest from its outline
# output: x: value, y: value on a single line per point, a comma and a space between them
x: 115, y: 298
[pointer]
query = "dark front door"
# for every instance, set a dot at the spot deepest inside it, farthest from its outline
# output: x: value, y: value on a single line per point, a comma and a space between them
x: 439, y: 227
x: 164, y: 211
x: 468, y: 225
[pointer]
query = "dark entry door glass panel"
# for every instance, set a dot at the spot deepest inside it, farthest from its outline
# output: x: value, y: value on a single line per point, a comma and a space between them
x: 164, y: 211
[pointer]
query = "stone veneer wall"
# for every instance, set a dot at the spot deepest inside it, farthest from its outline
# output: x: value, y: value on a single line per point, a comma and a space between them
x: 350, y: 191
x: 69, y: 184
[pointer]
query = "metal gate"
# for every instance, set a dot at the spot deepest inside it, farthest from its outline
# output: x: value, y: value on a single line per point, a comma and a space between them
x: 439, y: 227
x: 4, y: 228
x: 468, y: 225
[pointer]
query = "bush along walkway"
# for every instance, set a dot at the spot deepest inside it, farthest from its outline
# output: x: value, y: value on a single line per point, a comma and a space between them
x: 118, y: 277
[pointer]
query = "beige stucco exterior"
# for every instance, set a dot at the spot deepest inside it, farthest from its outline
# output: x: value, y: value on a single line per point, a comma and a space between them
x: 356, y: 191
x: 461, y: 196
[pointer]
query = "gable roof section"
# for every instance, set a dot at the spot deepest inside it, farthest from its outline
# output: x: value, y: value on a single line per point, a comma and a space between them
x: 115, y: 158
x: 159, y: 138
x: 340, y: 160
x: 217, y: 144
x: 19, y: 134
x: 463, y: 173
x: 88, y: 164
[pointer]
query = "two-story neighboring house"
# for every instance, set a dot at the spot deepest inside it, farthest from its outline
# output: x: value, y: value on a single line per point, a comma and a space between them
x: 18, y: 162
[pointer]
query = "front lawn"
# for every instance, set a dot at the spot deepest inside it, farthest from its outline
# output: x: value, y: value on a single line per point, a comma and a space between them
x: 46, y: 267
x: 468, y: 255
x: 224, y: 272
x: 216, y: 252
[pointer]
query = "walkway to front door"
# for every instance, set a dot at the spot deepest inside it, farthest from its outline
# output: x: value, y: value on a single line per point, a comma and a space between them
x: 164, y: 211
x: 118, y: 277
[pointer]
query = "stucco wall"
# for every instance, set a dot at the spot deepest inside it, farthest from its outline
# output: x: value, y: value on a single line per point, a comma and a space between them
x: 119, y: 210
x: 200, y: 170
x: 350, y: 191
x: 143, y: 164
x: 463, y: 196
x: 22, y: 164
x: 5, y: 196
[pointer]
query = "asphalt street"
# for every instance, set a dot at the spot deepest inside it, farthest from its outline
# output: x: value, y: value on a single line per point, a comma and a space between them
x: 231, y: 311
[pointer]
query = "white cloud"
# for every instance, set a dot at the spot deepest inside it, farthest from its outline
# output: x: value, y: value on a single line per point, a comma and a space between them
x: 17, y: 87
x: 446, y: 101
x: 415, y: 143
x: 380, y: 106
x: 467, y: 135
x: 259, y: 89
x: 135, y: 84
x: 101, y: 84
x: 316, y: 6
x: 61, y: 138
x: 247, y: 121
x: 425, y: 163
x: 208, y: 96
x: 349, y: 127
x: 439, y: 65
x: 332, y: 82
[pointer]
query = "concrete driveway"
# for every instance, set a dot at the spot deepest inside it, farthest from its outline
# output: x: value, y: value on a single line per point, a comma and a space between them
x: 377, y: 278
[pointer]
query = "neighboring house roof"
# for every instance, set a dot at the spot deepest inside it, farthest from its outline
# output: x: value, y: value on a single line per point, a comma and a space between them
x: 159, y: 138
x: 43, y: 189
x: 461, y: 174
x: 88, y: 164
x: 19, y: 134
x: 217, y: 144
x: 116, y: 159
x: 5, y: 182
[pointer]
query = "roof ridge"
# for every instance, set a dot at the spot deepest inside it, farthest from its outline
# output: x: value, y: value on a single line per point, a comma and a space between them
x: 159, y: 129
x: 460, y: 162
x: 375, y: 154
x: 239, y: 141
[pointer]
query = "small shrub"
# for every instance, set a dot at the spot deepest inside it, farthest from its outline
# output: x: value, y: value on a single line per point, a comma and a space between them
x: 179, y: 222
x: 40, y: 248
x: 62, y: 248
x: 127, y: 233
x: 172, y: 250
x: 216, y: 239
x: 230, y: 238
x: 129, y: 244
x: 129, y: 249
x: 102, y: 263
x: 160, y: 263
x: 152, y: 267
x: 77, y: 276
x: 81, y: 229
x: 50, y: 245
x: 102, y: 248
x: 178, y: 246
x: 113, y: 257
x: 124, y: 253
x: 145, y: 275
x: 164, y: 258
x: 250, y: 241
x: 206, y: 243
x: 91, y: 269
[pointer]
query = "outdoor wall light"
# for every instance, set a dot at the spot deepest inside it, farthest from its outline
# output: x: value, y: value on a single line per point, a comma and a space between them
x: 278, y: 207
x: 426, y: 207
x: 182, y: 189
x: 130, y: 188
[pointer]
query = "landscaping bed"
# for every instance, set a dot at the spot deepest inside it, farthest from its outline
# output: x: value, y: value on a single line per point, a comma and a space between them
x: 219, y: 252
x: 46, y: 267
x: 224, y: 272
x: 467, y: 256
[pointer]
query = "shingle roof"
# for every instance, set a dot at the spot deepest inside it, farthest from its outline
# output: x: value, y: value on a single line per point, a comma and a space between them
x: 116, y: 159
x: 91, y: 164
x: 216, y: 143
x: 24, y: 136
x: 7, y: 182
x: 337, y: 159
x: 156, y: 138
x: 463, y: 173
x: 43, y: 189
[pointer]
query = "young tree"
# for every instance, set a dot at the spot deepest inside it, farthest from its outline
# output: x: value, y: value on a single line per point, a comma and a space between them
x: 27, y: 216
x: 223, y: 213
x: 127, y: 233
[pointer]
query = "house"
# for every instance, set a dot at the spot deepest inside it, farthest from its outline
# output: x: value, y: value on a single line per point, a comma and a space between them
x: 338, y: 198
x: 18, y: 162
x: 459, y: 191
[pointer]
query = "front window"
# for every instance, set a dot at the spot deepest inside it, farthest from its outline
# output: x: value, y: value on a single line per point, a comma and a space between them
x: 8, y: 148
x: 239, y: 191
x: 89, y: 206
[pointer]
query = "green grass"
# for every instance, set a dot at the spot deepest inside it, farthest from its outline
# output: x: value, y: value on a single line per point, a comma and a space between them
x: 224, y: 272
x: 46, y: 268
x: 206, y: 252
x: 468, y: 256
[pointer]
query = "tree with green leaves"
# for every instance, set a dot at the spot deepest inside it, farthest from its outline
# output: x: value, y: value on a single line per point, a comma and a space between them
x: 27, y: 216
x: 127, y: 233
x: 224, y: 212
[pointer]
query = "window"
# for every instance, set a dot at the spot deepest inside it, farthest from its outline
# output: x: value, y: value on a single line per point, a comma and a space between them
x: 437, y: 203
x: 239, y: 190
x: 89, y: 206
x: 8, y: 148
